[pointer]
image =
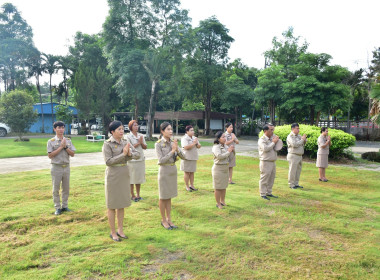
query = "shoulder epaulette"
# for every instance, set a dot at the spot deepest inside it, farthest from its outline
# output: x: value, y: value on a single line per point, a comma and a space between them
x: 52, y: 139
x: 159, y: 141
x: 108, y: 140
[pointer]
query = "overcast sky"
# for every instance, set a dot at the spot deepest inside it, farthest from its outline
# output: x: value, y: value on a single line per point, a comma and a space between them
x: 347, y: 30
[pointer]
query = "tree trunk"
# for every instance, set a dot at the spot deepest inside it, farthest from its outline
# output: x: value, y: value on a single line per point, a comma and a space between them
x: 253, y: 115
x: 208, y: 112
x: 312, y: 113
x: 51, y: 103
x: 318, y: 118
x: 151, y: 113
x: 136, y: 108
x: 272, y: 111
x: 42, y: 108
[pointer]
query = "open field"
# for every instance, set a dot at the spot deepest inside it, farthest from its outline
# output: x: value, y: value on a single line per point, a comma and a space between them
x: 326, y: 231
x: 37, y: 147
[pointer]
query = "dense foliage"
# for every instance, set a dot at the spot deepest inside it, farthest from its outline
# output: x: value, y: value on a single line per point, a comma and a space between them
x: 340, y: 140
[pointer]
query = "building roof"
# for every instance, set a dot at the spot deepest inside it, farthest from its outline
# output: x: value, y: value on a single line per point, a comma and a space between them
x: 47, y: 108
x: 189, y: 115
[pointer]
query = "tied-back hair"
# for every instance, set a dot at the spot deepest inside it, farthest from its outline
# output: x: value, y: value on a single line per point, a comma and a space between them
x: 217, y: 137
x: 58, y: 123
x: 227, y: 125
x: 323, y: 129
x: 130, y: 124
x: 163, y: 126
x: 114, y: 125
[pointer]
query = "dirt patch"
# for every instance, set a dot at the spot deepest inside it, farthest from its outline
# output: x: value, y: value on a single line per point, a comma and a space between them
x: 165, y: 258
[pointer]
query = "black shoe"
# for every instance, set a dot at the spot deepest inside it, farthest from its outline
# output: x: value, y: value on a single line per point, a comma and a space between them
x: 115, y: 239
x: 168, y: 228
x: 294, y: 187
x: 58, y: 212
x: 265, y: 197
x: 124, y: 237
x: 271, y: 195
x: 174, y: 227
x: 299, y: 187
x: 193, y: 189
x: 66, y: 209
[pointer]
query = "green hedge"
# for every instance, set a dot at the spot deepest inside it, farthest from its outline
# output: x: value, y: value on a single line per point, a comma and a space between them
x: 340, y: 139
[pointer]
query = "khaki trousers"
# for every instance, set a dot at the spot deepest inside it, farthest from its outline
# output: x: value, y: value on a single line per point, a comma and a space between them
x: 267, y: 175
x: 295, y: 167
x: 60, y: 174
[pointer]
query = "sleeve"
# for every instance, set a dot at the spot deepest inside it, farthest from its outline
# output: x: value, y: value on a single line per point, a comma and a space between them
x: 71, y: 147
x: 217, y: 151
x: 109, y: 159
x: 135, y: 154
x: 162, y: 158
x: 144, y: 140
x: 266, y: 147
x: 181, y: 154
x: 49, y: 147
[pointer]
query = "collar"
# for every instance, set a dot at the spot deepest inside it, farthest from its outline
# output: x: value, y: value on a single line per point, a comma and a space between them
x: 112, y: 139
x: 163, y: 139
x: 188, y: 137
x: 56, y: 138
x: 136, y: 137
x: 266, y: 137
x: 293, y: 133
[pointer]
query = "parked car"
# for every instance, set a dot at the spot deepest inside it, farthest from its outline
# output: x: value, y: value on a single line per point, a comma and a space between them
x: 126, y: 128
x: 96, y: 127
x: 143, y: 127
x: 4, y: 129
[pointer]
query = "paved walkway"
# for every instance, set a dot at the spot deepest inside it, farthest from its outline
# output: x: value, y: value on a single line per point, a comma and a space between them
x: 247, y: 147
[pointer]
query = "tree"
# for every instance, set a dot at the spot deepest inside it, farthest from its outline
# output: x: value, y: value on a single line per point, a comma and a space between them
x: 375, y: 91
x: 269, y: 88
x: 16, y: 45
x: 212, y: 43
x: 51, y: 67
x: 16, y: 110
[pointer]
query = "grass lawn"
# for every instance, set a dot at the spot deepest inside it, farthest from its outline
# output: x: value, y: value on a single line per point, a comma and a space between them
x: 37, y: 147
x: 325, y: 231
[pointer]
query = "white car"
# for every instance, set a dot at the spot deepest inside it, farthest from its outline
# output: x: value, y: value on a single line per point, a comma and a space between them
x: 143, y: 127
x: 4, y: 129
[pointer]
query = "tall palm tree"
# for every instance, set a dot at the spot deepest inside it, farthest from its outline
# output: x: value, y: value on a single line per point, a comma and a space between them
x: 36, y: 67
x: 64, y: 65
x: 51, y: 67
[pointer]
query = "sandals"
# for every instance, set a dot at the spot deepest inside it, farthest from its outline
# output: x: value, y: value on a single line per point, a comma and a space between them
x: 193, y: 189
x: 115, y: 239
x: 124, y: 237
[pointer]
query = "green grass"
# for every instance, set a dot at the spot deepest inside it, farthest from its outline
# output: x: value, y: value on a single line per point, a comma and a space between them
x: 37, y: 147
x: 325, y: 231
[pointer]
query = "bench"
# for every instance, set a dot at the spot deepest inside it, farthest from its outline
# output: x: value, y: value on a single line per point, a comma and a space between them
x: 95, y: 138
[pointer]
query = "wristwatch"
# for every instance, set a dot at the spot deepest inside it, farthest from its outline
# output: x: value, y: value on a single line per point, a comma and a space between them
x: 65, y: 148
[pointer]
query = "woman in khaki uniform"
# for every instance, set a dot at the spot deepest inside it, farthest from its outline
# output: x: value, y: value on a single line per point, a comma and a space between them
x: 167, y: 152
x: 136, y: 166
x: 220, y: 168
x: 324, y: 143
x: 190, y: 146
x: 231, y: 140
x: 117, y: 151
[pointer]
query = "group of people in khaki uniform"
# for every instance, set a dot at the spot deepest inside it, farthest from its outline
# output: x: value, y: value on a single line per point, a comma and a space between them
x: 125, y: 166
x: 268, y: 146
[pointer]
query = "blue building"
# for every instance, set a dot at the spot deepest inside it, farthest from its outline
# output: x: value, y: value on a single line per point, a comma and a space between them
x: 48, y: 124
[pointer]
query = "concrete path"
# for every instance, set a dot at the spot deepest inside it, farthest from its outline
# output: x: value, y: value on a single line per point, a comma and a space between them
x: 247, y: 147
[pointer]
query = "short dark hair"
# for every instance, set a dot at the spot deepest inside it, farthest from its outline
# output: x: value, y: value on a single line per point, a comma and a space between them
x: 294, y: 125
x: 188, y: 127
x: 323, y: 129
x: 217, y: 136
x: 114, y: 125
x: 227, y: 125
x: 266, y: 126
x: 58, y: 123
x: 163, y: 126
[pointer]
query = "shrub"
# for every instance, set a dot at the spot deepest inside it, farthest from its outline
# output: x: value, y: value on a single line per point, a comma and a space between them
x: 371, y: 156
x: 340, y: 139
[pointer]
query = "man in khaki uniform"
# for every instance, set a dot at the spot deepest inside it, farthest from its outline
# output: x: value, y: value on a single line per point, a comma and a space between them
x: 296, y: 145
x: 268, y: 157
x: 59, y: 151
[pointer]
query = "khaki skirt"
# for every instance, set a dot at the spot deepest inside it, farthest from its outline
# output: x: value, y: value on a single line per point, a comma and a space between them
x: 232, y: 159
x: 117, y: 187
x: 322, y: 161
x: 220, y: 176
x: 188, y: 165
x: 167, y: 181
x: 136, y: 172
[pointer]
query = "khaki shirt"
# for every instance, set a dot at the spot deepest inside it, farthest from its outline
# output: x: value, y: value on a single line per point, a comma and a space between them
x: 221, y: 154
x: 295, y: 144
x: 165, y: 154
x: 229, y: 138
x: 113, y: 152
x: 191, y: 154
x: 322, y: 141
x: 134, y: 140
x: 266, y: 149
x: 62, y: 157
